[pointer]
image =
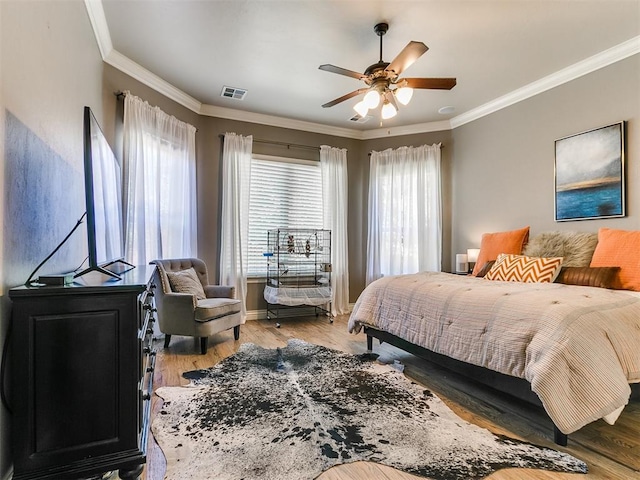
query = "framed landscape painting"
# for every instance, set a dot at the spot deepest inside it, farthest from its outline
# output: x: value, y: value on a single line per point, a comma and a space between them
x: 590, y: 177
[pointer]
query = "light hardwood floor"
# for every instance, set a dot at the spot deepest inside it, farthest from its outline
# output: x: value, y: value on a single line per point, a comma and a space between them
x: 611, y: 452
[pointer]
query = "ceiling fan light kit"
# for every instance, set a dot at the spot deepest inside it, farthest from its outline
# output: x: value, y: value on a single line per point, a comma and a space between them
x: 361, y: 109
x: 404, y: 94
x: 383, y: 82
x: 372, y: 99
x: 388, y: 111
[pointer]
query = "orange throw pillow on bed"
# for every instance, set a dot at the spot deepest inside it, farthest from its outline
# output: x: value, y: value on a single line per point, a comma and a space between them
x: 619, y: 248
x: 493, y: 244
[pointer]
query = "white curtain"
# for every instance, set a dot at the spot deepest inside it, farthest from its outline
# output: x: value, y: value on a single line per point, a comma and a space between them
x: 236, y: 187
x: 405, y: 225
x: 160, y: 184
x: 333, y: 164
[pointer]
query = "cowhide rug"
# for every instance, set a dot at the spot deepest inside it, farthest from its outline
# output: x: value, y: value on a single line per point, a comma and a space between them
x: 294, y: 412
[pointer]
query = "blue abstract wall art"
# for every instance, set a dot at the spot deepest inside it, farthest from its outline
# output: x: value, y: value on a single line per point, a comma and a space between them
x: 590, y: 174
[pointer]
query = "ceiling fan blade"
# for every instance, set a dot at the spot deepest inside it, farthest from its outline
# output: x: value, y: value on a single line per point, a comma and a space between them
x: 391, y: 98
x: 406, y: 57
x: 342, y: 71
x: 344, y: 97
x: 430, y: 83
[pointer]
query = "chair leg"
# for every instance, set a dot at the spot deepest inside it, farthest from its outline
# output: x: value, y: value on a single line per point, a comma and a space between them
x: 236, y: 332
x: 204, y: 341
x: 167, y: 339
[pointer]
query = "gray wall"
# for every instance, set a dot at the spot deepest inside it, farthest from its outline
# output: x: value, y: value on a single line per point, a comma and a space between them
x: 50, y: 69
x: 503, y: 164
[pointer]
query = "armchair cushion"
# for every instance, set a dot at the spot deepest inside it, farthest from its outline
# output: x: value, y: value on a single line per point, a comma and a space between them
x: 212, y: 308
x: 186, y: 281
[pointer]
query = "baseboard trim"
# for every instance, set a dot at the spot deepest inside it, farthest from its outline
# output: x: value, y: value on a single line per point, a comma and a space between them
x: 256, y: 314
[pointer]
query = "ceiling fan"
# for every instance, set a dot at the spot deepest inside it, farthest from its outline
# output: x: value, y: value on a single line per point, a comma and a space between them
x: 383, y: 82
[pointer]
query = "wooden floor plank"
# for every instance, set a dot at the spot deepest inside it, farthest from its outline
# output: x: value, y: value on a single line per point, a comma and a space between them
x: 611, y: 452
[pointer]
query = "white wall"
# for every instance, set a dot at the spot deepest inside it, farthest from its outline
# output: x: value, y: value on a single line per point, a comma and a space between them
x: 503, y: 164
x: 50, y: 67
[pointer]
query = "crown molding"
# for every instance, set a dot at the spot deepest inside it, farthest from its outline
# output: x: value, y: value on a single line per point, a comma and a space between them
x: 406, y: 130
x: 577, y: 70
x: 282, y: 122
x: 133, y: 69
x: 99, y: 25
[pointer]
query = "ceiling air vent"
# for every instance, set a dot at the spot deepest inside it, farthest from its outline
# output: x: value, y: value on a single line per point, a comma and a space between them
x: 358, y: 119
x: 232, y: 92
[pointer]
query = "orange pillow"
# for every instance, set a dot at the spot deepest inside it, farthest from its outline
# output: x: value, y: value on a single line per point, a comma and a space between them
x: 493, y: 244
x: 619, y: 248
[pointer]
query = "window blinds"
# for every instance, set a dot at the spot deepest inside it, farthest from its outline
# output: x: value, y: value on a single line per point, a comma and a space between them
x: 284, y: 193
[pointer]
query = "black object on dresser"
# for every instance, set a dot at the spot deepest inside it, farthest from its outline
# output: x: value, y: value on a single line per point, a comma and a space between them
x: 82, y: 376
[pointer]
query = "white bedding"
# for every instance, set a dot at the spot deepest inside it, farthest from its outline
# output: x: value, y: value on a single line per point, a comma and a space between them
x: 579, y: 347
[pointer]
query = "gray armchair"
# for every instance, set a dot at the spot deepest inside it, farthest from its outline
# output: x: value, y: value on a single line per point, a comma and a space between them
x: 195, y: 312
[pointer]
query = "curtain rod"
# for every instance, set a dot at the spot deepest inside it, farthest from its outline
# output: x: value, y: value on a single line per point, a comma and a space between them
x: 121, y: 94
x: 441, y: 147
x: 280, y: 144
x: 288, y: 145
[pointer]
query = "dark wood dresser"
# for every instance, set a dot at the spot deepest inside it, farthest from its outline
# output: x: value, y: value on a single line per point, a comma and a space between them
x: 82, y: 377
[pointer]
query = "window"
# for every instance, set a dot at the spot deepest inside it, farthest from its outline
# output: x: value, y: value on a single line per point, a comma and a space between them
x: 284, y: 193
x: 160, y: 180
x: 404, y: 212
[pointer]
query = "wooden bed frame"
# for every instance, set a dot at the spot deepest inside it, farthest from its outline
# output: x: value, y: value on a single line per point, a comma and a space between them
x: 517, y: 387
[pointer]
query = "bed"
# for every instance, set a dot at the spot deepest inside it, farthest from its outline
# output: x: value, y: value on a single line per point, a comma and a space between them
x: 574, y: 349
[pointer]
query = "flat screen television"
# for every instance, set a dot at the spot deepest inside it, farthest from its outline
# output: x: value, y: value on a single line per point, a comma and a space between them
x: 103, y: 195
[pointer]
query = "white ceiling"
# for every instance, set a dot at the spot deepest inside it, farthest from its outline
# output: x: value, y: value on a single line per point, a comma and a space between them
x: 499, y: 51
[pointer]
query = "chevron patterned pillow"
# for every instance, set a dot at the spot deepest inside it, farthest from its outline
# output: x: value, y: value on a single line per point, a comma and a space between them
x: 520, y: 268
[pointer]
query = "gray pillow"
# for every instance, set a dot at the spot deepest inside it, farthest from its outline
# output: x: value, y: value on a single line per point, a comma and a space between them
x: 576, y: 248
x: 186, y: 281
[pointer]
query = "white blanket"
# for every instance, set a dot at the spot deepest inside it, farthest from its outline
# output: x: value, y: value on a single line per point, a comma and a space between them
x: 579, y: 347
